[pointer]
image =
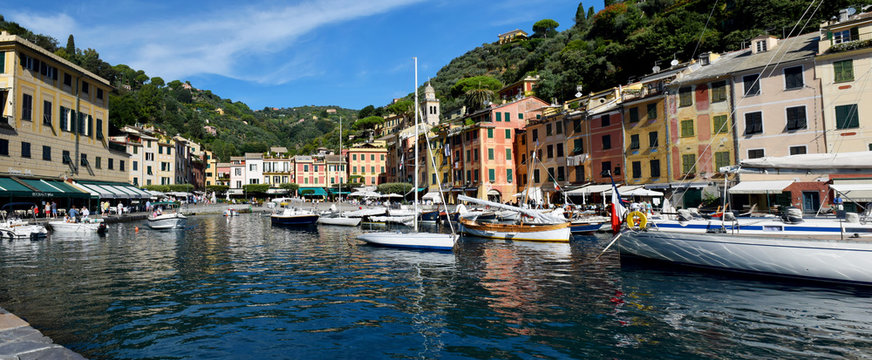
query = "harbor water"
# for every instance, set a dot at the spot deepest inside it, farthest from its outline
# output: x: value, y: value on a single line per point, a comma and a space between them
x: 239, y: 288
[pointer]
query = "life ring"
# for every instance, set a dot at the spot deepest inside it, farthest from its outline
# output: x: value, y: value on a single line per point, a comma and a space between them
x: 637, y: 220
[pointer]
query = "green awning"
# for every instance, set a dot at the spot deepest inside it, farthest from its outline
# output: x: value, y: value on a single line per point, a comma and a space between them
x: 312, y: 191
x: 53, y: 188
x: 336, y: 191
x: 10, y: 187
x: 118, y: 190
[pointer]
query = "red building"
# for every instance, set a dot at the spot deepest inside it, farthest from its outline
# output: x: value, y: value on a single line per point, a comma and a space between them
x: 606, y: 136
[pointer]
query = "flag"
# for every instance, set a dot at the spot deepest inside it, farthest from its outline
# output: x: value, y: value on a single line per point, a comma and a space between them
x: 447, y: 149
x: 402, y: 160
x: 617, y: 209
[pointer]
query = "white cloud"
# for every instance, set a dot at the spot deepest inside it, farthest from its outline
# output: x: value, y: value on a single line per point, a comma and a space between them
x: 248, y: 42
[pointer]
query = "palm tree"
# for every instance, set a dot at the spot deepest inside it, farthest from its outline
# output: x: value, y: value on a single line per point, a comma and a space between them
x: 477, y: 99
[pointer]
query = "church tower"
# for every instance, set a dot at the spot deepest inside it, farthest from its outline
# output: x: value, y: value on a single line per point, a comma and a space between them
x: 430, y: 106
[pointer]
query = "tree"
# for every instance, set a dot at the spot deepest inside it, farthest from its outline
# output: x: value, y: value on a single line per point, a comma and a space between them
x: 462, y: 86
x: 368, y: 123
x: 255, y: 188
x: 290, y: 187
x: 404, y: 108
x: 217, y: 188
x: 545, y: 28
x: 368, y: 110
x: 157, y: 81
x: 71, y: 46
x: 394, y: 188
x: 477, y: 99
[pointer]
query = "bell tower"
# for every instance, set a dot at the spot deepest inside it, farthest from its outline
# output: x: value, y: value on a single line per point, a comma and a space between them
x: 430, y: 106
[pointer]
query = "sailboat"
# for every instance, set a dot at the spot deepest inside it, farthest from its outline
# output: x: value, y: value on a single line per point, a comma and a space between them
x: 538, y: 226
x: 830, y: 249
x: 414, y: 240
x: 338, y: 218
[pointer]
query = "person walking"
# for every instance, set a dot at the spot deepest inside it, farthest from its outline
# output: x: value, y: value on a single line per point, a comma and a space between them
x: 47, y: 209
x: 54, y: 209
x: 120, y: 208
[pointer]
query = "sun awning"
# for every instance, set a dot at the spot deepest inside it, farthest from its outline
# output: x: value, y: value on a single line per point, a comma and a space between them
x: 313, y: 191
x: 52, y: 188
x: 68, y: 189
x: 590, y: 189
x: 760, y: 187
x: 854, y: 192
x: 10, y: 187
x: 622, y: 190
x: 94, y: 189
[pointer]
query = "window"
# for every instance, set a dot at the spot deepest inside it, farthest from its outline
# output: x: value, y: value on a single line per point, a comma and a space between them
x: 652, y: 112
x: 722, y: 158
x: 688, y: 163
x: 468, y: 156
x: 98, y: 162
x: 506, y: 117
x: 100, y: 93
x: 476, y: 155
x: 685, y: 96
x: 25, y: 149
x: 846, y: 117
x: 46, y: 153
x: 169, y: 150
x: 686, y: 128
x: 793, y: 78
x: 634, y: 115
x: 561, y: 173
x: 508, y: 134
x: 634, y: 141
x: 520, y: 116
x: 558, y: 128
x: 761, y: 45
x: 252, y: 167
x: 607, y: 167
x: 135, y: 165
x: 845, y: 35
x: 83, y: 159
x: 605, y: 120
x: 508, y: 153
x: 509, y: 176
x: 719, y: 124
x: 490, y: 133
x: 655, y: 168
x: 653, y: 141
x: 536, y: 175
x: 752, y: 86
x: 579, y: 173
x: 353, y: 156
x: 560, y: 150
x: 637, y: 169
x: 149, y: 156
x: 491, y: 175
x: 578, y: 146
x: 371, y: 157
x: 26, y: 107
x: 46, y: 113
x: 576, y: 125
x: 85, y: 87
x: 111, y: 163
x: 160, y: 149
x: 548, y: 131
x: 843, y: 70
x: 354, y: 169
x: 382, y: 157
x: 719, y: 91
x: 607, y: 142
x: 65, y: 157
x: 535, y: 134
x: 99, y: 129
x: 499, y: 116
x: 550, y: 151
x: 796, y: 118
x: 756, y: 153
x: 798, y: 150
x: 305, y: 168
x: 753, y: 123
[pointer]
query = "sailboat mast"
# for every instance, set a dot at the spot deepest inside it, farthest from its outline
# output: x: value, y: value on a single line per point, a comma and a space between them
x: 415, y: 184
x: 343, y: 162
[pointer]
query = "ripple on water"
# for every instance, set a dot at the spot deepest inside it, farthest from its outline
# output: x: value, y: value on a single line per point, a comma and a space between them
x: 233, y: 288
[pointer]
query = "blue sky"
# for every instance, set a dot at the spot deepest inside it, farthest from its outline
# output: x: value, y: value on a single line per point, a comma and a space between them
x: 349, y: 53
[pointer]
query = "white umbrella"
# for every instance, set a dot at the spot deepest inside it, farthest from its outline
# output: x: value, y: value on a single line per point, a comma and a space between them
x: 392, y: 196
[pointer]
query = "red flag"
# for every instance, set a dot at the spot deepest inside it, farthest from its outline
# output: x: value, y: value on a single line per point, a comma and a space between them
x: 617, y: 209
x: 616, y: 220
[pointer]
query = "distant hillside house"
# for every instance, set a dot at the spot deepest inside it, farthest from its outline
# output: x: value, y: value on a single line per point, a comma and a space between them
x: 331, y: 111
x: 520, y: 89
x: 211, y: 130
x: 511, y: 35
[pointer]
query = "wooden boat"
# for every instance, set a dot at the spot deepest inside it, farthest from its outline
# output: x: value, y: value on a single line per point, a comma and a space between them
x: 518, y: 232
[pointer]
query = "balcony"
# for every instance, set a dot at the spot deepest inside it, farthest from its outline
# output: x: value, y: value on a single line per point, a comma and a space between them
x: 850, y: 45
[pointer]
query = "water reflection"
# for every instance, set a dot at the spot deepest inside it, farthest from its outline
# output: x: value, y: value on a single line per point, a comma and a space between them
x: 233, y: 287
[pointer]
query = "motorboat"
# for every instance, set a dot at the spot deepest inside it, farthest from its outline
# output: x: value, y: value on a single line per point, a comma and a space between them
x: 85, y: 226
x: 586, y: 226
x: 339, y: 220
x: 13, y: 227
x: 166, y: 216
x: 293, y: 217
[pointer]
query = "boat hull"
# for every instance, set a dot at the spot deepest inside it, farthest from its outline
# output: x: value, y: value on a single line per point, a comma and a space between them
x: 585, y: 227
x: 294, y: 220
x: 547, y: 233
x: 63, y: 227
x: 32, y: 232
x: 339, y: 221
x: 164, y: 222
x: 825, y: 260
x: 421, y: 241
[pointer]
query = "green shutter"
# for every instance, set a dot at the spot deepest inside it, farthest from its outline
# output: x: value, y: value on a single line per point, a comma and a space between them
x: 508, y: 153
x: 509, y: 175
x: 490, y: 133
x: 491, y: 174
x: 499, y: 117
x: 520, y: 116
x: 490, y: 154
x: 855, y: 34
x: 508, y: 134
x: 2, y: 62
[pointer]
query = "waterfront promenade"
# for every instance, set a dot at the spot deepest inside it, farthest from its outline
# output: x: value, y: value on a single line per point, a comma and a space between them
x: 18, y: 340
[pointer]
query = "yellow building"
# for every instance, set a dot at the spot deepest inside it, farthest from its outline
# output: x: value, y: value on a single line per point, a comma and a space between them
x: 55, y: 115
x: 645, y: 129
x: 843, y: 65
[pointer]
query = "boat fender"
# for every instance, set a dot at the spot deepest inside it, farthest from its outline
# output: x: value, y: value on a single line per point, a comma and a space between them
x: 637, y: 220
